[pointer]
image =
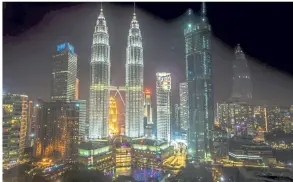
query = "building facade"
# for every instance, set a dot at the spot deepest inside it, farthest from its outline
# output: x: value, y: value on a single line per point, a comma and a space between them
x: 134, y: 82
x: 15, y: 115
x: 200, y: 89
x: 236, y: 117
x: 57, y: 130
x: 163, y: 92
x: 99, y: 80
x: 64, y: 73
x: 184, y: 111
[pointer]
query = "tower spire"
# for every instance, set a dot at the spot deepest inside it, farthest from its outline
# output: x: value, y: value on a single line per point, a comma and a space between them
x: 133, y: 8
x: 101, y: 15
x: 134, y: 15
x: 239, y: 53
x: 203, y: 9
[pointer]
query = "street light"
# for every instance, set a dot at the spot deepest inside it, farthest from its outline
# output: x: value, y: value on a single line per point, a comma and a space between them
x: 222, y: 178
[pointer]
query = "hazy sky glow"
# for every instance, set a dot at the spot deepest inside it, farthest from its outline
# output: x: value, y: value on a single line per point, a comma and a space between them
x: 27, y: 55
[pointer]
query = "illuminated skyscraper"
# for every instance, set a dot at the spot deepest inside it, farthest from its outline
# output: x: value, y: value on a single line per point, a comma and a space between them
x: 134, y: 82
x: 113, y: 117
x: 199, y: 80
x: 14, y: 123
x: 163, y: 89
x: 183, y: 94
x: 148, y: 110
x: 99, y: 80
x: 64, y: 73
x: 82, y: 123
x: 242, y: 85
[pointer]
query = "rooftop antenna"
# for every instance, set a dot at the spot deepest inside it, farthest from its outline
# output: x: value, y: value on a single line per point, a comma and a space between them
x: 134, y: 8
x: 203, y: 9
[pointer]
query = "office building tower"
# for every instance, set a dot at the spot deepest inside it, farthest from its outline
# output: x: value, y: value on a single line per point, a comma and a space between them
x: 99, y: 80
x: 134, y: 82
x: 57, y: 129
x: 29, y: 133
x: 163, y: 92
x: 200, y: 87
x: 14, y: 125
x: 82, y: 121
x: 184, y: 112
x: 242, y: 85
x: 64, y: 73
x: 148, y: 110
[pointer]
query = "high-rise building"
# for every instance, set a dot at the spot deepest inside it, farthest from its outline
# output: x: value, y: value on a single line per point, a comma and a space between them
x: 148, y: 110
x: 64, y: 73
x: 57, y: 129
x: 29, y: 134
x: 113, y: 117
x: 242, y: 85
x: 163, y: 92
x: 200, y: 87
x: 134, y: 126
x: 14, y: 125
x: 99, y: 80
x: 82, y: 121
x: 183, y: 96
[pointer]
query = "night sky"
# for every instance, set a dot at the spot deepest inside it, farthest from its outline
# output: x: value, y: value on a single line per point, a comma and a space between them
x: 32, y: 30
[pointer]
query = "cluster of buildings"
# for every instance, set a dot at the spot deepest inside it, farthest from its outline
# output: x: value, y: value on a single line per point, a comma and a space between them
x: 69, y: 129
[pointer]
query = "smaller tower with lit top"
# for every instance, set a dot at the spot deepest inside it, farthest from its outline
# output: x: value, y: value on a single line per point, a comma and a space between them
x: 113, y: 115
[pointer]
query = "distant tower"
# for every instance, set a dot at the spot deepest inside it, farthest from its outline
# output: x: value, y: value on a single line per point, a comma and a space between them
x: 200, y: 89
x: 99, y: 80
x: 183, y: 96
x: 242, y: 85
x: 134, y: 82
x: 163, y: 89
x: 148, y: 110
x: 113, y: 117
x: 64, y: 73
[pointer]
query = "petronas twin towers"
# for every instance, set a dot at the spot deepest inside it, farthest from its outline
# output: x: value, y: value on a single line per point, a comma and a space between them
x: 100, y: 81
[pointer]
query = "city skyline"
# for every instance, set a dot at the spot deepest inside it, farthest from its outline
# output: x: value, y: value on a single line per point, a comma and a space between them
x: 164, y: 100
x: 153, y: 61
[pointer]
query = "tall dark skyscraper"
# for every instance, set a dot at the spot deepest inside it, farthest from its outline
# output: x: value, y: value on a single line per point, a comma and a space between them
x: 199, y: 79
x: 99, y: 80
x: 64, y: 73
x: 242, y: 85
x: 134, y: 82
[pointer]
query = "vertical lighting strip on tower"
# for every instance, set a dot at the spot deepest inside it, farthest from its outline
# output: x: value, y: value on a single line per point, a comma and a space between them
x: 100, y: 80
x: 134, y: 82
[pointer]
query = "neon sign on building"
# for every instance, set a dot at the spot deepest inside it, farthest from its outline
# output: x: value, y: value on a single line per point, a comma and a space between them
x: 65, y: 46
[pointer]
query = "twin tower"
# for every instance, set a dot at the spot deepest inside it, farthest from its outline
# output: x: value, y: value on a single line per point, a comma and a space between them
x: 100, y: 81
